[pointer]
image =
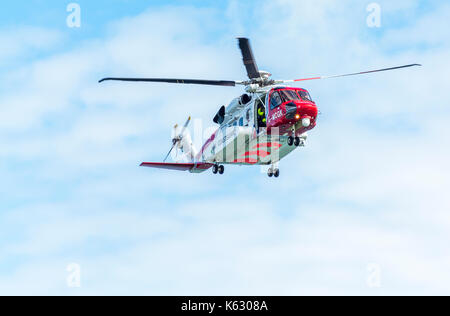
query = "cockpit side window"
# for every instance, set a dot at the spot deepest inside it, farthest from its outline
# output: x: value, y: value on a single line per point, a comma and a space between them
x: 304, y: 95
x: 275, y: 100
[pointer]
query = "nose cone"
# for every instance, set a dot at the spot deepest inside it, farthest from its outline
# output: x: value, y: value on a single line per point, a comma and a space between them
x: 308, y: 110
x: 299, y: 110
x: 305, y: 111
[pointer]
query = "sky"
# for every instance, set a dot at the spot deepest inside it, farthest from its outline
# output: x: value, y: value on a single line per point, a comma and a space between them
x: 363, y: 209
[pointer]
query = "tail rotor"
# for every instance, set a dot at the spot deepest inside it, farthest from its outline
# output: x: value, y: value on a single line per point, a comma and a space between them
x: 178, y: 136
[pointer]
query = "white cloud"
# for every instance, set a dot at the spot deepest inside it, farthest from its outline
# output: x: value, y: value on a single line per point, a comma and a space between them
x: 370, y: 186
x: 23, y: 41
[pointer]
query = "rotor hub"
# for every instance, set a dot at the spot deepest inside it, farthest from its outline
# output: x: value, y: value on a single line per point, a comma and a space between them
x: 265, y: 74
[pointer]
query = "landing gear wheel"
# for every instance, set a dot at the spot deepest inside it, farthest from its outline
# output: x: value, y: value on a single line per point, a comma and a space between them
x: 215, y: 169
x: 297, y: 141
x: 270, y: 173
x: 221, y: 169
x: 276, y: 174
x: 290, y: 141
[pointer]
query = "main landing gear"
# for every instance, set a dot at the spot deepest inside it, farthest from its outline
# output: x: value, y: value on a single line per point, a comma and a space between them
x: 296, y: 141
x: 273, y: 173
x: 218, y: 169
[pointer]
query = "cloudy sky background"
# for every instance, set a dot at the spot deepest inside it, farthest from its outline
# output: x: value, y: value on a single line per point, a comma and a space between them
x: 371, y: 187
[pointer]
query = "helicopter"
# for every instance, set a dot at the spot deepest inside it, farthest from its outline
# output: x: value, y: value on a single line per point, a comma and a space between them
x: 260, y: 127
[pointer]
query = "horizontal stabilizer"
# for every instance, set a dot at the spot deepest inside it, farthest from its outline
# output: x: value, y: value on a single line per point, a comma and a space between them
x: 201, y: 166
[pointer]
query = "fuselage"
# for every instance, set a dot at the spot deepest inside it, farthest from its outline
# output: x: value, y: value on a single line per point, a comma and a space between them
x: 258, y: 128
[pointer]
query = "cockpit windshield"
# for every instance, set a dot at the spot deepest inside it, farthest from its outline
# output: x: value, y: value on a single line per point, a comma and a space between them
x: 290, y: 94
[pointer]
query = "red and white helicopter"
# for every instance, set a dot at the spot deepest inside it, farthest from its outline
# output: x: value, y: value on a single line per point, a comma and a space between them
x: 260, y: 127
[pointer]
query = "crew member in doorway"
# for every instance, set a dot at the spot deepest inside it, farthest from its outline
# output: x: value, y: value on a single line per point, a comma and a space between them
x: 262, y: 116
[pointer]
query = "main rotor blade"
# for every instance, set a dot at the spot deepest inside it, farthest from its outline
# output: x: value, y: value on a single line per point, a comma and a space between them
x: 346, y: 75
x: 248, y: 58
x: 179, y: 81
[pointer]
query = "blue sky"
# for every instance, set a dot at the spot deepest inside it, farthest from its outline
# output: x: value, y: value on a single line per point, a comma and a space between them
x: 369, y: 188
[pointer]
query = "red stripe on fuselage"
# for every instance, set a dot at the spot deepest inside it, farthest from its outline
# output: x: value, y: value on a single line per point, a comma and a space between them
x: 267, y: 145
x: 246, y: 160
x: 259, y: 153
x: 263, y: 154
